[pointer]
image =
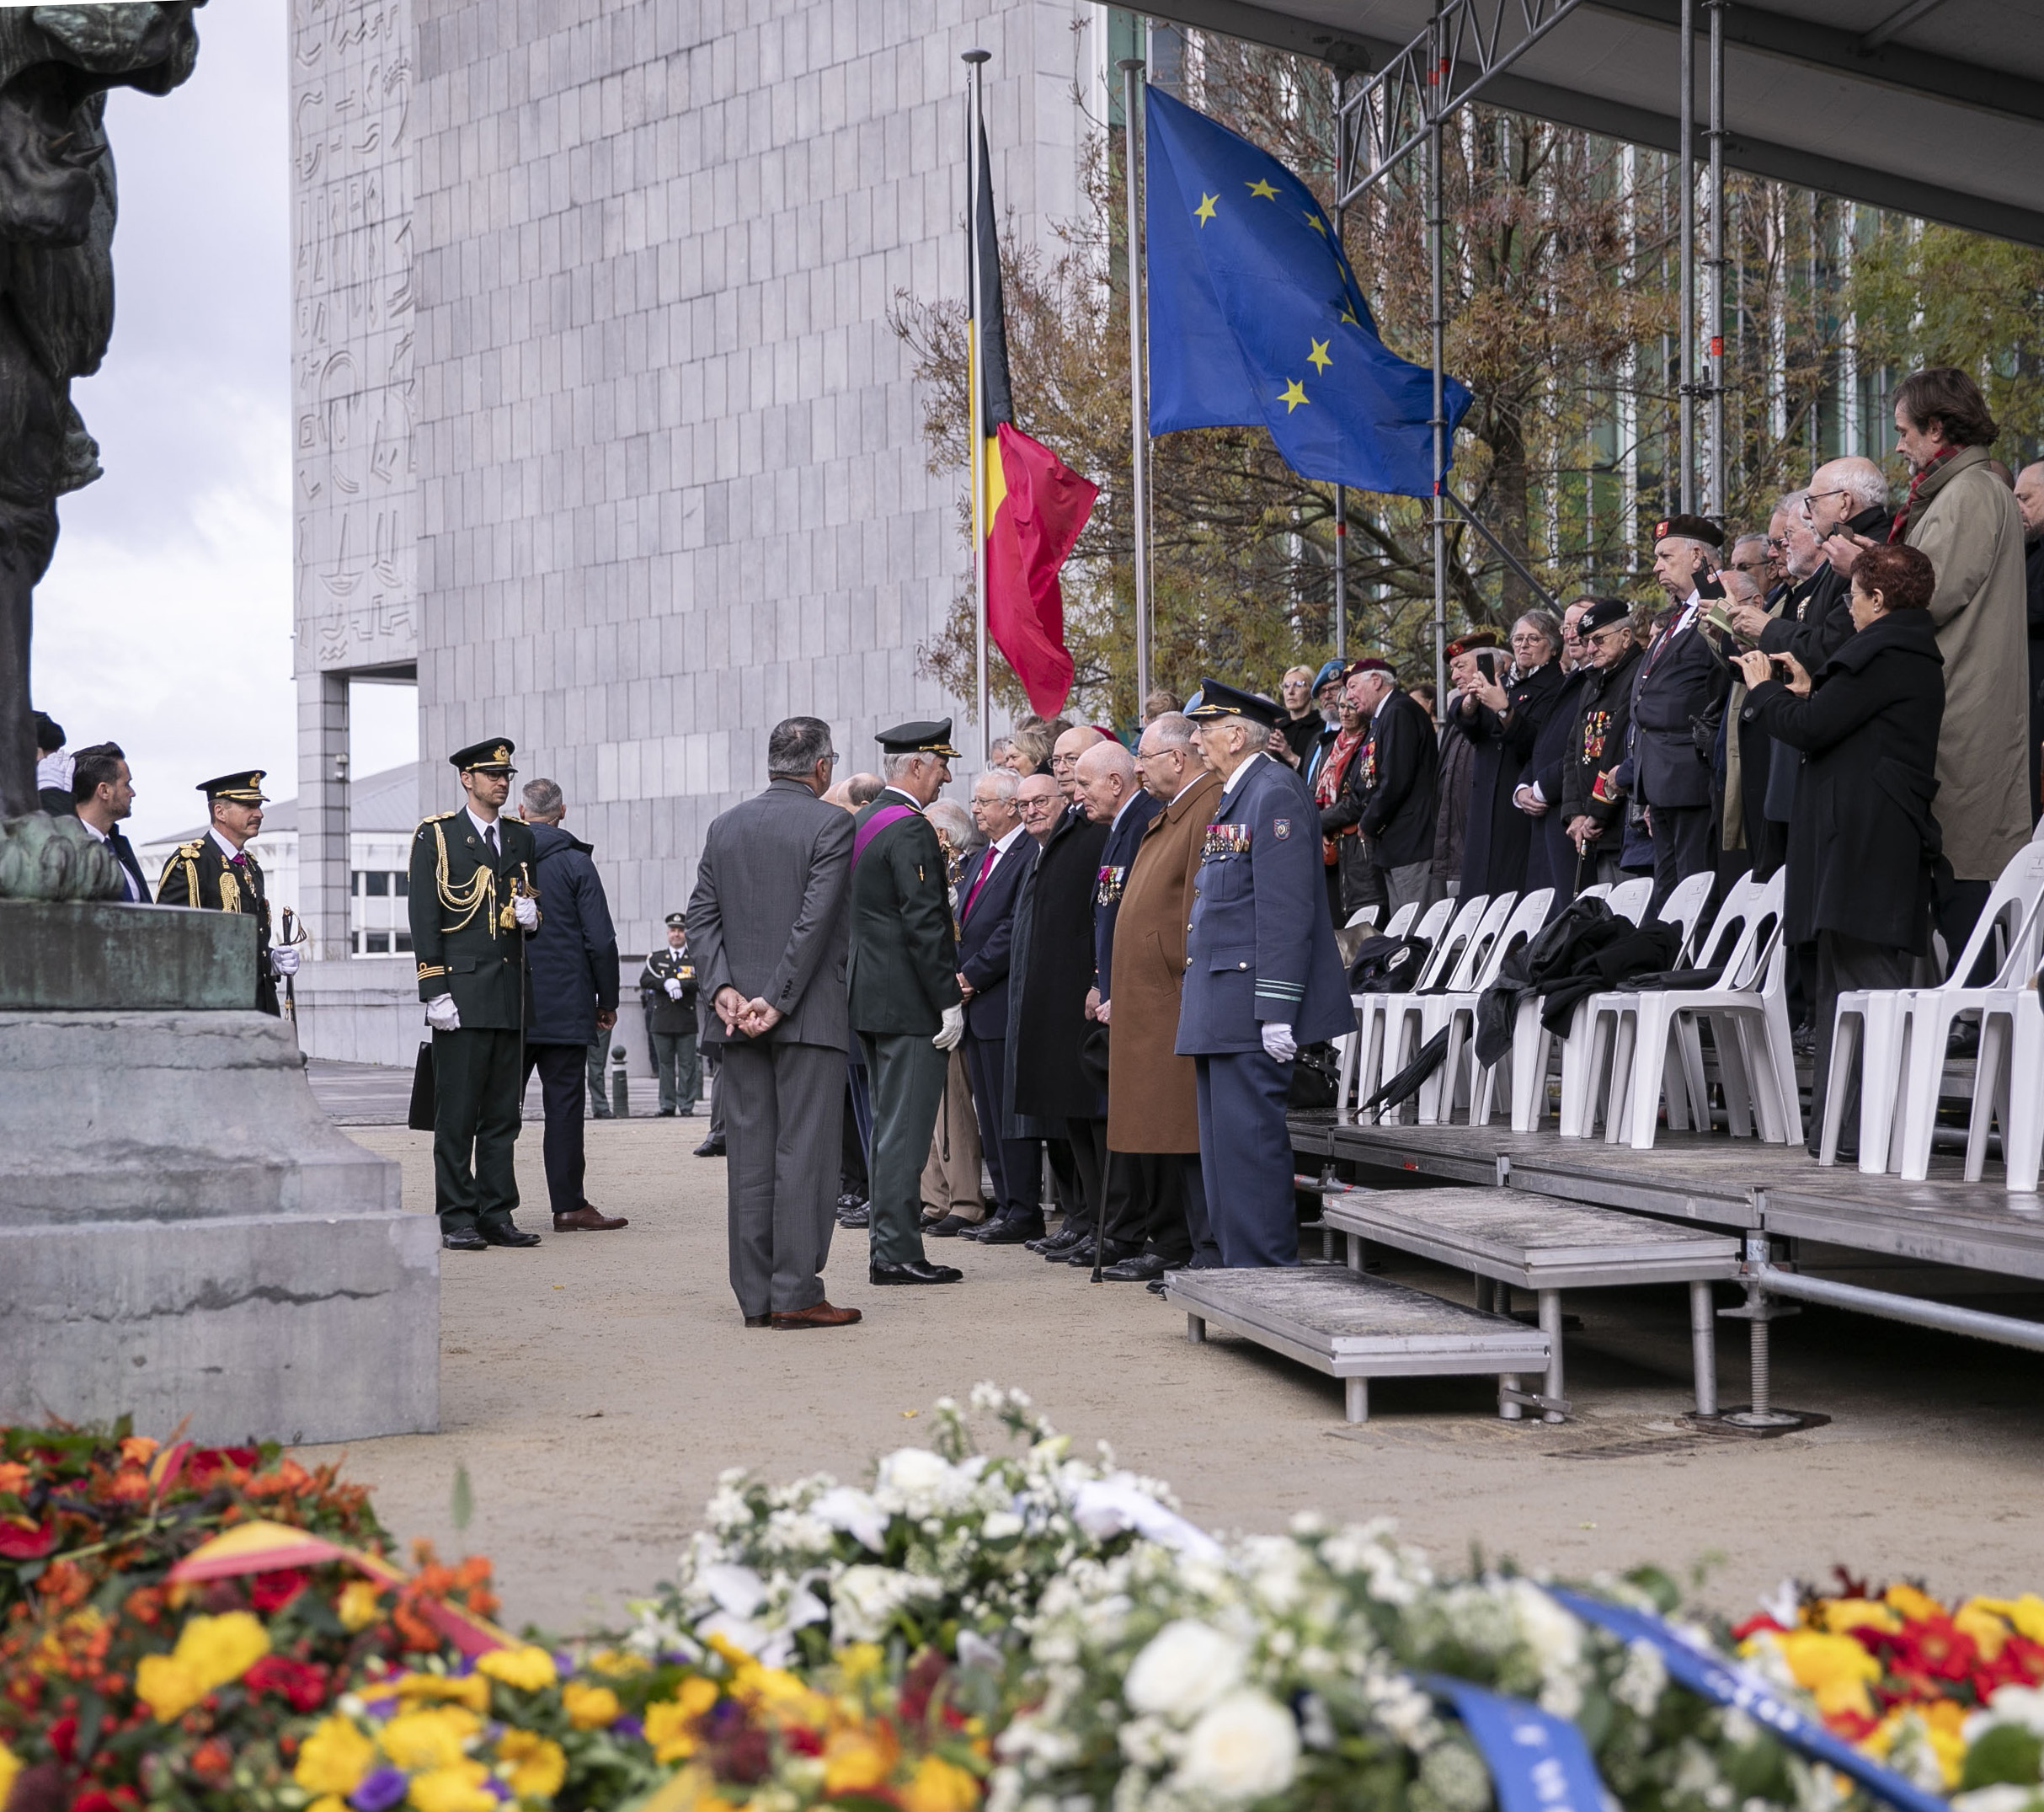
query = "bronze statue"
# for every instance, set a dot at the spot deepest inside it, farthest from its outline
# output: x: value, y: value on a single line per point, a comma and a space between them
x: 57, y: 317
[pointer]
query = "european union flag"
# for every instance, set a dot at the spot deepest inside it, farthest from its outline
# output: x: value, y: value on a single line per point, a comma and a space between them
x: 1255, y: 316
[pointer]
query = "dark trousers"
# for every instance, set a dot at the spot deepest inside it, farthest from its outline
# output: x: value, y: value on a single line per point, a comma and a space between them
x: 1088, y: 1151
x: 1198, y: 1229
x: 1843, y: 964
x: 1245, y: 1157
x: 674, y: 1061
x: 476, y: 1087
x: 597, y: 1048
x: 1956, y: 907
x: 560, y: 1068
x: 851, y: 1142
x: 779, y: 1100
x: 906, y: 1072
x: 1146, y: 1204
x: 1681, y: 847
x: 1015, y: 1165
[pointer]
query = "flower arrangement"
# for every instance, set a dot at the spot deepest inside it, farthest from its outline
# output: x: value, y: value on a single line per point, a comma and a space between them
x: 1951, y: 1698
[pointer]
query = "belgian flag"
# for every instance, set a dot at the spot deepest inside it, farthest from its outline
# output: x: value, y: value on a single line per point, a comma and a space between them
x: 1032, y: 507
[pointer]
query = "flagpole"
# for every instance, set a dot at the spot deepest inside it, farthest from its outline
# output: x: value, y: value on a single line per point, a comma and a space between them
x: 1436, y: 78
x: 1131, y: 69
x: 976, y: 126
x: 1341, y: 491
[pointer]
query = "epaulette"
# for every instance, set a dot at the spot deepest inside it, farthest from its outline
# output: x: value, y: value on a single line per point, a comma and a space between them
x: 190, y: 851
x: 438, y: 817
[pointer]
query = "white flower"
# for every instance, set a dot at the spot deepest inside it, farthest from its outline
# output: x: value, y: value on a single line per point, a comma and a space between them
x: 1641, y: 1681
x: 974, y: 1650
x: 865, y: 1598
x: 738, y: 1591
x: 1244, y: 1747
x: 2003, y: 1796
x: 922, y: 1480
x: 1183, y: 1669
x: 2023, y: 1705
x: 1000, y: 1526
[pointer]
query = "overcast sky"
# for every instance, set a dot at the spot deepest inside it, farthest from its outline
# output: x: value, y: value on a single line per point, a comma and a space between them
x: 165, y: 622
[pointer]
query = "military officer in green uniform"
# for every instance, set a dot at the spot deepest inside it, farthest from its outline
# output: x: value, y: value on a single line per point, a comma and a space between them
x: 215, y: 871
x: 902, y: 975
x: 471, y: 903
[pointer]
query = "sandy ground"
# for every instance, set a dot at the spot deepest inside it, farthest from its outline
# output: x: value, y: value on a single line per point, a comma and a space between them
x: 594, y: 1387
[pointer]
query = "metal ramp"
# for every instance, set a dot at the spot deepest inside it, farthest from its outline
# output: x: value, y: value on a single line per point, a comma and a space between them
x: 1516, y: 1241
x: 1355, y: 1328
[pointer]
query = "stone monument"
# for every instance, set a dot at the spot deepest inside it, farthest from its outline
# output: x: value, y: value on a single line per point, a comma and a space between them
x: 183, y: 1232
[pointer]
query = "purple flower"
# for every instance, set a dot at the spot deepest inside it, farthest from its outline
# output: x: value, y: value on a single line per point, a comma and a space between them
x: 497, y: 1787
x: 380, y: 1790
x: 629, y: 1726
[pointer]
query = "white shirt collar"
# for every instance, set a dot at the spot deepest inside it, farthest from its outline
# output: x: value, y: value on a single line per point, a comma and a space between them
x: 227, y: 848
x: 1002, y: 845
x: 1125, y: 804
x: 1228, y: 785
x: 906, y: 798
x: 1198, y: 777
x: 483, y: 830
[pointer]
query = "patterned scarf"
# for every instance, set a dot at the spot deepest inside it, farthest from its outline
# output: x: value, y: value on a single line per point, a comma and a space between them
x: 1902, y: 516
x: 1327, y: 783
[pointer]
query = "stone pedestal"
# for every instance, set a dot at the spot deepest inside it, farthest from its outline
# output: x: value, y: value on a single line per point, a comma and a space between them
x: 183, y: 1232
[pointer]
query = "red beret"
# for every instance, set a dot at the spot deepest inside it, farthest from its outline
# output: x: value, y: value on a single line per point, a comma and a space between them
x: 1471, y: 639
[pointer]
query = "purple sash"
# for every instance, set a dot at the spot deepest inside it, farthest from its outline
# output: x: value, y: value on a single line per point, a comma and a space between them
x: 875, y: 825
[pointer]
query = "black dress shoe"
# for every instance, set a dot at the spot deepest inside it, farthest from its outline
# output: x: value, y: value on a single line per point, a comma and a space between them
x: 758, y: 1321
x: 712, y: 1147
x: 915, y: 1271
x: 950, y: 1228
x: 1144, y: 1267
x: 850, y: 1200
x: 665, y: 1113
x: 1155, y: 1286
x: 503, y: 1233
x: 1016, y: 1232
x: 1113, y: 1253
x: 467, y: 1240
x: 855, y: 1218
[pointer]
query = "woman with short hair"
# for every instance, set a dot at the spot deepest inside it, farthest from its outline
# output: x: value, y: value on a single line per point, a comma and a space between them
x: 1501, y: 717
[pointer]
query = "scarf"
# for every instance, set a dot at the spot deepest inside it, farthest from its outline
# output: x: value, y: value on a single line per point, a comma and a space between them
x: 1327, y: 783
x: 1907, y: 513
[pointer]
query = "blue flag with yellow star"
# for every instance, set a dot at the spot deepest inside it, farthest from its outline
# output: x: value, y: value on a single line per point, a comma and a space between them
x: 1255, y: 316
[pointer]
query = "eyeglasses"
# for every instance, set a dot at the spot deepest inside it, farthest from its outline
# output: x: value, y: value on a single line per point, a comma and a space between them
x: 1750, y: 567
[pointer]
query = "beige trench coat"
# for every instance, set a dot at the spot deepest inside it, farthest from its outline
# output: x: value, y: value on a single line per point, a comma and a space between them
x: 1967, y: 523
x: 1150, y: 1102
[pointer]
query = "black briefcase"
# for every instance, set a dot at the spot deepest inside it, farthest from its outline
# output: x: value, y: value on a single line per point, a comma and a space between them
x: 424, y: 1101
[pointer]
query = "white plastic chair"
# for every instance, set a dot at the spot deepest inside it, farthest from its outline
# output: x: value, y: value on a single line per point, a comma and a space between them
x: 1422, y: 1014
x: 1683, y: 906
x: 1533, y: 1045
x: 1382, y: 1015
x: 1747, y: 1011
x: 2022, y: 1127
x: 1460, y: 1076
x: 1369, y: 1018
x: 1900, y: 1034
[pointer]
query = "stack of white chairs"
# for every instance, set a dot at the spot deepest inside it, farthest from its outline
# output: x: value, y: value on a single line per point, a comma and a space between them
x: 1380, y: 1017
x: 1457, y: 1081
x: 1369, y: 1018
x: 1900, y: 1036
x: 1417, y: 1016
x: 1748, y: 1012
x: 1533, y: 1045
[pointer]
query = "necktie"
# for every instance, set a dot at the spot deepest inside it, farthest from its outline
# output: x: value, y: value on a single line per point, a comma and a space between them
x: 986, y: 867
x: 238, y: 861
x: 489, y: 836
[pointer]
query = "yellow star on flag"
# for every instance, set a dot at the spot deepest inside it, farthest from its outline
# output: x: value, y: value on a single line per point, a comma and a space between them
x: 1313, y: 221
x: 1317, y: 358
x: 1259, y: 187
x: 1205, y: 210
x: 1293, y: 395
x: 1348, y: 315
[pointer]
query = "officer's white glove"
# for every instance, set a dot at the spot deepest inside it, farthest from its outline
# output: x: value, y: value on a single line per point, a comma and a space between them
x: 442, y: 1014
x: 954, y: 1028
x: 284, y: 960
x: 674, y: 988
x: 525, y: 910
x: 1277, y: 1040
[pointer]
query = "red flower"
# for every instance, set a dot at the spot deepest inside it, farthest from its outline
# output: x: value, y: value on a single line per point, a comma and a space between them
x: 921, y: 1683
x: 802, y: 1742
x: 272, y: 1592
x: 211, y: 1762
x: 1934, y: 1646
x: 94, y: 1800
x: 1759, y: 1620
x: 64, y: 1738
x: 304, y: 1685
x: 23, y: 1540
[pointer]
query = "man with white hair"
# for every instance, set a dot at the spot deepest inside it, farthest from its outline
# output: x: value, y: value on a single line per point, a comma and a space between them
x: 1262, y: 976
x: 1845, y: 495
x: 1397, y: 772
x: 902, y: 980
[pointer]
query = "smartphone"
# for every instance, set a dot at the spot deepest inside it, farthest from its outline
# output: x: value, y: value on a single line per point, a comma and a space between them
x: 1487, y: 663
x: 1709, y: 585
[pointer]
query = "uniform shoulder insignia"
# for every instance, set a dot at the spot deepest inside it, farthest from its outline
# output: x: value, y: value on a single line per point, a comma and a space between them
x: 438, y: 817
x: 190, y: 851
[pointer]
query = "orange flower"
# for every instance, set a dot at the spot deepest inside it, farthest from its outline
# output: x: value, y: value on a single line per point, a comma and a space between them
x: 13, y: 1477
x: 859, y: 1759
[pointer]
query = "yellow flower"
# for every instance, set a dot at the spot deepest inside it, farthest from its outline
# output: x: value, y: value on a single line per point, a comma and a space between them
x: 471, y: 1690
x: 1913, y: 1604
x: 859, y: 1761
x: 589, y: 1707
x: 618, y: 1664
x: 2026, y: 1612
x: 683, y: 1792
x: 1984, y: 1626
x: 360, y: 1603
x: 1842, y: 1616
x: 668, y: 1728
x: 859, y: 1661
x: 457, y: 1787
x: 940, y: 1786
x: 334, y: 1757
x: 539, y: 1765
x: 210, y: 1651
x: 782, y: 1699
x: 10, y: 1765
x: 328, y: 1803
x: 528, y: 1668
x: 1835, y: 1669
x: 430, y: 1737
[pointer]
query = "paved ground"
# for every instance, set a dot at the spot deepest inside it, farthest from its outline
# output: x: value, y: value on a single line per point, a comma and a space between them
x: 375, y: 1094
x: 596, y: 1386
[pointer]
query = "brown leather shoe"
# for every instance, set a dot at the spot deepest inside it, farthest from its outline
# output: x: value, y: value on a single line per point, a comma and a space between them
x: 822, y: 1315
x: 588, y: 1220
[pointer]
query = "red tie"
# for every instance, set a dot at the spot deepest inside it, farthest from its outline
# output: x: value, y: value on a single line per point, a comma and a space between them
x: 986, y: 867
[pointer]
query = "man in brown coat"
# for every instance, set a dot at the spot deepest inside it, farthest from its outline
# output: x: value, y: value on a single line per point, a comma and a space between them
x: 1151, y: 1102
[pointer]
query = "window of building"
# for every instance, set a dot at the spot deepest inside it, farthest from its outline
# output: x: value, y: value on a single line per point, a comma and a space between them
x: 378, y: 881
x: 404, y: 943
x: 354, y: 882
x: 401, y: 884
x: 376, y: 943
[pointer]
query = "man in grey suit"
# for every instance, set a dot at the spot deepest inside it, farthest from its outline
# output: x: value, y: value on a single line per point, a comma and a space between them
x: 769, y: 923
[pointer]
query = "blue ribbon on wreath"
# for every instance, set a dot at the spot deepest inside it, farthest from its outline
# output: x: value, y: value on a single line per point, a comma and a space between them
x: 1538, y: 1762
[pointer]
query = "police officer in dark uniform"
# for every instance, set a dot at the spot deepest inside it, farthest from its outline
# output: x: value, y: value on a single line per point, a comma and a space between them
x: 1263, y: 977
x: 216, y: 873
x: 902, y: 978
x: 471, y: 903
x: 1677, y: 700
x: 669, y: 983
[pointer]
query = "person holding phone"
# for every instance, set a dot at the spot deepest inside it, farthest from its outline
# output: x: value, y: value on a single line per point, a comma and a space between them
x: 1501, y: 710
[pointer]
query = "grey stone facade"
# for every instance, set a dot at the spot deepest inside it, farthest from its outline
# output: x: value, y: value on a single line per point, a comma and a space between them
x: 671, y: 478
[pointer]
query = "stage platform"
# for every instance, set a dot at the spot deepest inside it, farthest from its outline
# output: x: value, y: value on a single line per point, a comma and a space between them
x: 1710, y: 1178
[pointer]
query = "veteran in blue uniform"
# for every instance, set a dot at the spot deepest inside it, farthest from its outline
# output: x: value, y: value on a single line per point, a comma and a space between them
x: 1262, y: 976
x: 471, y: 902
